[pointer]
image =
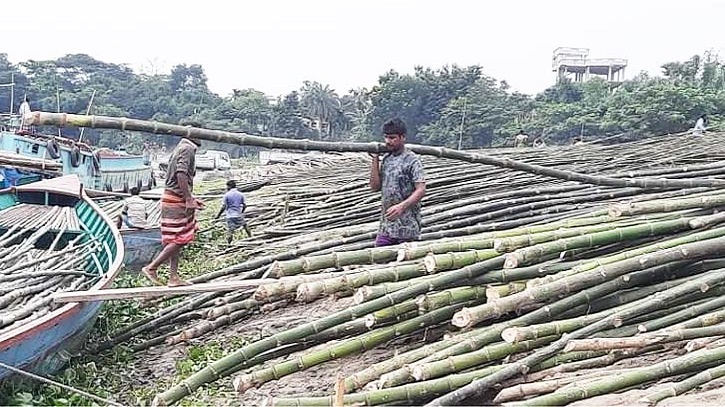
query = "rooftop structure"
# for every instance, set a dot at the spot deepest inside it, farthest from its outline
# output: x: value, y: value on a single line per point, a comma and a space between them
x: 575, y: 64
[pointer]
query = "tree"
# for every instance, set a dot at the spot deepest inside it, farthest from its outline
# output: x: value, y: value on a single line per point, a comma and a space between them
x: 320, y: 103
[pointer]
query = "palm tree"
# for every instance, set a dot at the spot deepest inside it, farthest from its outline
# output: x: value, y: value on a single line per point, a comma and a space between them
x: 320, y: 102
x: 357, y: 107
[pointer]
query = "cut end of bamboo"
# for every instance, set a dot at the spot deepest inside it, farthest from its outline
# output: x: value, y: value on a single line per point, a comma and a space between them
x: 372, y: 386
x: 369, y: 320
x: 492, y: 293
x: 260, y: 294
x: 419, y: 372
x: 430, y: 263
x: 360, y: 295
x: 308, y: 292
x: 275, y: 270
x: 616, y: 211
x: 243, y: 383
x: 402, y: 255
x: 512, y: 335
x: 511, y: 261
x: 174, y: 340
x: 158, y: 402
x: 462, y: 318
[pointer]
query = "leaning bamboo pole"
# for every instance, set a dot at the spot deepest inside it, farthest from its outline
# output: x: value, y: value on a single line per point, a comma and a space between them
x: 126, y: 124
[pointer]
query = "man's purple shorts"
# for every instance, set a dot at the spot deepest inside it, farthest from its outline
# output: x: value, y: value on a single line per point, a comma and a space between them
x: 385, y: 240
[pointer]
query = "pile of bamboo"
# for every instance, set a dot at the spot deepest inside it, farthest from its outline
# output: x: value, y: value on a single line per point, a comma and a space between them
x: 42, y: 251
x: 540, y: 265
x: 535, y: 281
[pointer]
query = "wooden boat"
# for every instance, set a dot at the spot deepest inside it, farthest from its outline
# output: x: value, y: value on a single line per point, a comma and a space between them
x: 101, y: 169
x: 53, y: 238
x: 141, y: 245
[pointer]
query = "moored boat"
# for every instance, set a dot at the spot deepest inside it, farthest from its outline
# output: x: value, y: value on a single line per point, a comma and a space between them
x: 97, y: 169
x: 141, y: 245
x: 53, y: 238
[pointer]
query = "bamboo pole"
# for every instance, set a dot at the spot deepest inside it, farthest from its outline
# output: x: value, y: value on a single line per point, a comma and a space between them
x: 125, y: 124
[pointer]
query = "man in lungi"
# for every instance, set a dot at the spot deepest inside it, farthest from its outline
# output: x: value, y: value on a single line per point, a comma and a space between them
x: 178, y: 211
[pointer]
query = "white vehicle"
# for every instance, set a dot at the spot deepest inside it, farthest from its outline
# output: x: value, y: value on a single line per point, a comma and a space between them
x: 213, y: 160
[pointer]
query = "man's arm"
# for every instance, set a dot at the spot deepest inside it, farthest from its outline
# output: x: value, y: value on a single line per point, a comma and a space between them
x: 375, y: 173
x: 396, y: 210
x: 221, y: 210
x: 189, y: 200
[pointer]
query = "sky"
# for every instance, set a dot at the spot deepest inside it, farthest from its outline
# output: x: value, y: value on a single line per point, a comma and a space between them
x: 275, y: 45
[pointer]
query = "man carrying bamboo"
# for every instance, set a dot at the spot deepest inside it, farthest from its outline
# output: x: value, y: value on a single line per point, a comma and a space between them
x: 401, y: 180
x: 178, y: 211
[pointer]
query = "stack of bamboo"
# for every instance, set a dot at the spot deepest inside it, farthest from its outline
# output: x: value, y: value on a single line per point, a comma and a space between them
x: 42, y: 251
x: 515, y: 266
x: 537, y: 277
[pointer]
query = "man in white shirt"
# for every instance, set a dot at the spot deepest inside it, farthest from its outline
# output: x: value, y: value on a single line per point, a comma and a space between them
x: 25, y: 114
x: 700, y: 125
x: 133, y: 215
x: 521, y: 139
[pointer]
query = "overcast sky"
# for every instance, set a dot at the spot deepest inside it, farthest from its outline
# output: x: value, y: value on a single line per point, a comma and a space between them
x: 274, y: 45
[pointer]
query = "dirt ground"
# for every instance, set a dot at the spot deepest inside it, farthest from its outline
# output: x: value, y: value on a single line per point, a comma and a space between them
x: 157, y: 365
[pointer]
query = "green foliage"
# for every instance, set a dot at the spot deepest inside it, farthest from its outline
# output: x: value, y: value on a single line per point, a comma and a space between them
x: 449, y: 106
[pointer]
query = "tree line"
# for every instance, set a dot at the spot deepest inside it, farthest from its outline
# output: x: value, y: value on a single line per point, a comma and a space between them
x: 450, y: 106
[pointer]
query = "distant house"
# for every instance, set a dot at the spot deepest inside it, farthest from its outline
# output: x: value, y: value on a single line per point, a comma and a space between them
x: 575, y: 64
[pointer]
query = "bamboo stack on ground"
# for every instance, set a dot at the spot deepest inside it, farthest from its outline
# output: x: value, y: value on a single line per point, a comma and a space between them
x: 577, y: 255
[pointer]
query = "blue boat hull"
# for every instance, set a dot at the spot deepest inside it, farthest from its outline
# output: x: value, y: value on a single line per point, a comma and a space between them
x: 141, y: 247
x: 43, y: 345
x: 48, y: 348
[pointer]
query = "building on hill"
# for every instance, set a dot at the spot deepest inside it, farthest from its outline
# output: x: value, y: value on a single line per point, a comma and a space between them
x: 575, y: 64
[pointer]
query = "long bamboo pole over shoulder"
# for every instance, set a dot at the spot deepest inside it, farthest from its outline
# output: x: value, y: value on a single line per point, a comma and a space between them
x: 122, y: 123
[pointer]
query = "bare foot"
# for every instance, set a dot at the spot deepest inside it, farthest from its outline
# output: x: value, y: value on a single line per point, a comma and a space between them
x: 151, y: 275
x: 177, y: 283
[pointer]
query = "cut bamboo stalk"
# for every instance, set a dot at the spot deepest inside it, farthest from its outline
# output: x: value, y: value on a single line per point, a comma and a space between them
x: 151, y: 292
x: 125, y: 124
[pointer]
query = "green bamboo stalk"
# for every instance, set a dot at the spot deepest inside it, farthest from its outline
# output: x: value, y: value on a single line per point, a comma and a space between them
x: 523, y: 333
x: 416, y: 250
x: 696, y: 318
x: 405, y: 310
x: 369, y: 293
x: 708, y: 279
x: 359, y: 379
x: 344, y: 348
x: 125, y: 124
x: 487, y: 335
x: 311, y: 291
x: 496, y: 291
x: 453, y: 364
x: 623, y: 380
x: 516, y: 242
x: 658, y: 246
x: 711, y: 200
x: 449, y: 261
x: 306, y: 264
x: 545, y: 293
x: 410, y: 393
x: 429, y: 302
x: 531, y: 254
x: 682, y: 387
